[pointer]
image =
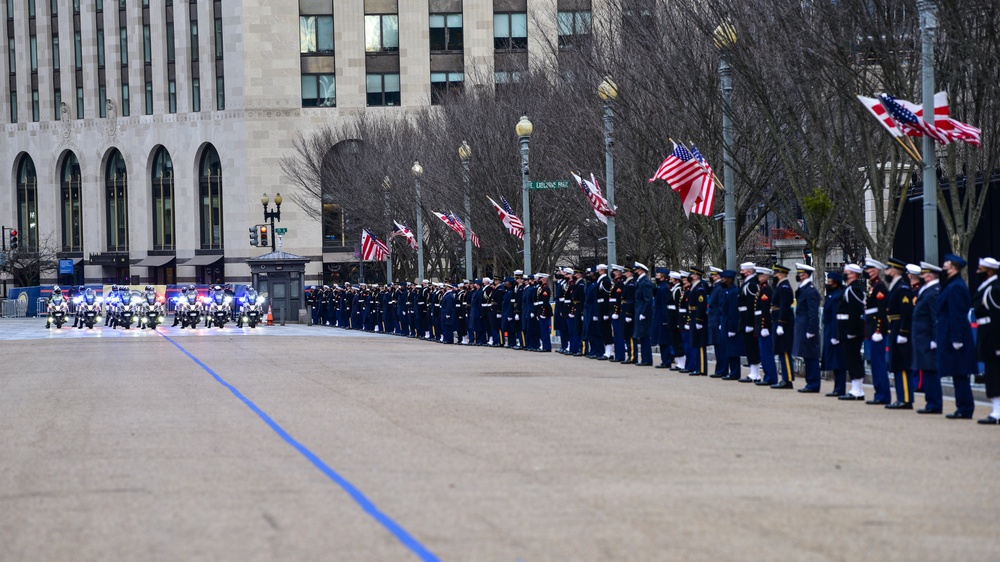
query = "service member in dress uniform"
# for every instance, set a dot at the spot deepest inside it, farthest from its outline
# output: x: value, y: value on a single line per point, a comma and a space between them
x: 748, y: 299
x: 312, y: 303
x: 833, y: 353
x: 543, y: 312
x: 763, y: 322
x: 698, y: 321
x: 577, y: 296
x: 987, y: 311
x: 628, y: 319
x: 953, y: 334
x: 783, y: 321
x: 716, y: 336
x: 876, y: 328
x: 559, y: 314
x: 924, y: 370
x: 806, y: 344
x: 448, y: 312
x: 730, y: 322
x: 900, y: 316
x: 617, y: 317
x: 851, y: 330
x: 664, y: 317
x: 675, y: 321
x: 643, y: 314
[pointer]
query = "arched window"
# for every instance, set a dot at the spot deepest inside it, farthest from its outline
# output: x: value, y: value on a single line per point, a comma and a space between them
x: 27, y: 204
x: 163, y: 200
x: 116, y: 202
x: 210, y: 194
x: 72, y: 208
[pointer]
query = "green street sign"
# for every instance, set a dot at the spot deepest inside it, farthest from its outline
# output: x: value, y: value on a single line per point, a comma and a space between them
x: 281, y: 231
x: 551, y: 184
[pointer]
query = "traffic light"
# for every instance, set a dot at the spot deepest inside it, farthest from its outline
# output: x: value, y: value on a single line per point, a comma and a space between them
x: 254, y: 236
x: 13, y: 239
x: 263, y: 236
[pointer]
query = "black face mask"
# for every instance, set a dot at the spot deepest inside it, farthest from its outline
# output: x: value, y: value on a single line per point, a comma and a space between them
x: 983, y: 276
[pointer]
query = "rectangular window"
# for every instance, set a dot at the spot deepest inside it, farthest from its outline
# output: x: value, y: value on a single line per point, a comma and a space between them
x: 573, y: 24
x: 316, y: 34
x: 319, y: 90
x: 444, y: 84
x: 57, y: 101
x: 79, y: 102
x: 147, y: 49
x: 33, y: 51
x: 149, y: 98
x: 55, y: 7
x: 34, y: 106
x: 220, y: 93
x: 123, y: 32
x: 170, y: 42
x: 100, y: 6
x: 510, y: 31
x: 383, y: 89
x: 31, y: 8
x: 102, y: 100
x: 13, y: 107
x: 172, y: 97
x: 76, y: 6
x: 195, y: 95
x: 382, y: 33
x: 125, y: 103
x: 194, y: 41
x: 55, y: 52
x: 11, y: 56
x: 504, y: 78
x: 78, y: 50
x: 100, y: 48
x: 446, y: 32
x: 218, y: 38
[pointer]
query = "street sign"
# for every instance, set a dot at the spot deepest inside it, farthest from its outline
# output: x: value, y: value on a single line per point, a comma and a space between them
x: 281, y: 231
x: 551, y: 184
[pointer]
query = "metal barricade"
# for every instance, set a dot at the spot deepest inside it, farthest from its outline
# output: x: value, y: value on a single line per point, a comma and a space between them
x: 42, y: 307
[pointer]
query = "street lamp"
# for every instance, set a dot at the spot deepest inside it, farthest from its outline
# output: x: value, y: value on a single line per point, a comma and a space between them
x: 524, y: 129
x: 272, y: 215
x: 386, y: 186
x: 928, y: 29
x: 418, y: 171
x: 608, y: 92
x: 725, y: 39
x: 465, y: 152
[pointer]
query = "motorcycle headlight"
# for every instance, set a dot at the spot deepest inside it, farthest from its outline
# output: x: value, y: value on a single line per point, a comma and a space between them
x: 260, y: 300
x: 227, y: 300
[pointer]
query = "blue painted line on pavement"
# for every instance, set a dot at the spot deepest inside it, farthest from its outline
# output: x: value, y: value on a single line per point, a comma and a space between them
x: 400, y: 533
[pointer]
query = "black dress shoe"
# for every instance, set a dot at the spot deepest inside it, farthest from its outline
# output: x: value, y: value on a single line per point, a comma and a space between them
x: 808, y: 390
x: 851, y: 397
x: 694, y: 374
x: 877, y: 403
x: 928, y: 411
x: 663, y: 366
x: 643, y: 364
x: 746, y: 379
x: 731, y: 378
x: 678, y: 369
x: 613, y: 360
x: 834, y: 394
x: 717, y: 375
x: 601, y: 358
x: 762, y: 382
x: 958, y: 416
x: 783, y: 385
x: 899, y: 406
x: 989, y: 420
x: 577, y: 355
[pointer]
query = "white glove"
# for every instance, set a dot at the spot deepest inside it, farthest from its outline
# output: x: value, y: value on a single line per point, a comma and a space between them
x: 749, y: 329
x: 641, y: 317
x: 687, y: 326
x: 517, y: 317
x: 614, y: 317
x: 498, y: 316
x: 933, y: 345
x: 810, y: 336
x: 901, y: 339
x: 532, y: 314
x: 765, y: 333
x: 877, y: 337
x: 998, y: 353
x: 627, y: 319
x: 571, y: 316
x: 834, y: 341
x: 595, y: 319
x: 850, y: 337
x: 698, y: 326
x: 731, y: 334
x: 957, y: 345
x: 605, y: 317
x: 780, y: 331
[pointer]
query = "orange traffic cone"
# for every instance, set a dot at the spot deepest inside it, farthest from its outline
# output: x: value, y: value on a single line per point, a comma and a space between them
x: 270, y: 317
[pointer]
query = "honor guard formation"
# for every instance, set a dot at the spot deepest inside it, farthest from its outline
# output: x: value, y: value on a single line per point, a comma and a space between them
x: 915, y: 320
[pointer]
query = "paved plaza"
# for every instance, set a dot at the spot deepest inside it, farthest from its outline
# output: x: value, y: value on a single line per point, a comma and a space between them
x: 324, y: 444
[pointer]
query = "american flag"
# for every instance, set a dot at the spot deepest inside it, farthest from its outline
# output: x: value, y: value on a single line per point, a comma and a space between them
x: 460, y: 224
x: 402, y: 230
x: 706, y: 200
x: 875, y: 107
x: 592, y: 190
x: 909, y: 123
x: 475, y: 238
x: 509, y: 219
x: 682, y: 171
x: 452, y: 222
x: 372, y: 248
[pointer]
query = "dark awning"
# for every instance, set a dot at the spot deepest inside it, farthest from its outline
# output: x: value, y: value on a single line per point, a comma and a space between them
x: 208, y: 259
x: 155, y: 261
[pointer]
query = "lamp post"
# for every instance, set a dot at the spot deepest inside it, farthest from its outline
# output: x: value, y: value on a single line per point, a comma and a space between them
x: 928, y: 29
x: 725, y: 39
x: 524, y: 129
x: 386, y: 186
x: 608, y: 92
x: 272, y: 215
x: 465, y: 152
x: 418, y: 171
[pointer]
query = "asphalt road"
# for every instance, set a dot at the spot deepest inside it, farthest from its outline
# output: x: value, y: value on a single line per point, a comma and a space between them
x: 333, y: 445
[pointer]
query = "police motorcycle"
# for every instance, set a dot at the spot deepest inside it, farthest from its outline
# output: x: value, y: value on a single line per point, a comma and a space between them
x: 130, y: 309
x: 58, y: 309
x: 88, y: 309
x: 188, y: 309
x: 152, y: 312
x: 219, y: 307
x: 252, y: 308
